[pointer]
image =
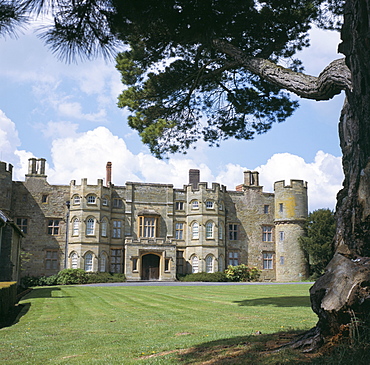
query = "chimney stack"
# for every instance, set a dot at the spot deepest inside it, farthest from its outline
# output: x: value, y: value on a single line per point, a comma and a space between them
x: 109, y: 173
x: 194, y: 178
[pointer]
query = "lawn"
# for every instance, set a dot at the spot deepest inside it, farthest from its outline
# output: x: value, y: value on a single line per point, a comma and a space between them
x: 152, y: 325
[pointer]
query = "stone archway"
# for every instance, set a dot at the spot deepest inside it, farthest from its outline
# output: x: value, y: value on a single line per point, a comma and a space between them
x: 150, y: 267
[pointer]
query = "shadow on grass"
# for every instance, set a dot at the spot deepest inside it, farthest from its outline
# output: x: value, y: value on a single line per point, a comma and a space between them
x: 44, y: 292
x: 277, y: 302
x: 253, y: 349
x: 15, y: 314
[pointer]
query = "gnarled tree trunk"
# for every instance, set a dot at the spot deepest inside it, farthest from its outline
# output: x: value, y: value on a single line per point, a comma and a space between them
x: 342, y: 294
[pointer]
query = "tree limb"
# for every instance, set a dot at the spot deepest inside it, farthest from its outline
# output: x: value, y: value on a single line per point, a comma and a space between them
x: 331, y: 81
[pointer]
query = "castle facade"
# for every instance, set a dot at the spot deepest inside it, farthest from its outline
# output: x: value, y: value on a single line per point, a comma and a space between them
x: 155, y: 231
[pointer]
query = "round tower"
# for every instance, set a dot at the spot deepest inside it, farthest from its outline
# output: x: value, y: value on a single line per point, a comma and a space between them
x: 291, y: 210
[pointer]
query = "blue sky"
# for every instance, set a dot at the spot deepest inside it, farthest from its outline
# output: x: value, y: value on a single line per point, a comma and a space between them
x: 67, y: 114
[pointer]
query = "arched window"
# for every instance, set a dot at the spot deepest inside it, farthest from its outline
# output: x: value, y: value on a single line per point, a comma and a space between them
x: 75, y: 227
x: 91, y: 199
x: 103, y: 262
x: 76, y: 200
x: 90, y: 226
x: 89, y: 262
x: 221, y: 262
x: 74, y: 261
x: 195, y: 264
x: 104, y: 228
x: 209, y: 230
x: 209, y: 263
x: 195, y: 231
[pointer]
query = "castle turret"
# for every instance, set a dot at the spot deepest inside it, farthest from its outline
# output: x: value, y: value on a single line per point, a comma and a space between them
x: 291, y: 210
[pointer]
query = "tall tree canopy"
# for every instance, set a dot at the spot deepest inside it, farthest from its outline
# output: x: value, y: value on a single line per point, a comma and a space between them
x: 215, y: 69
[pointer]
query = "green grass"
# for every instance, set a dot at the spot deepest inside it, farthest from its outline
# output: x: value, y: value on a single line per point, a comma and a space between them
x: 125, y: 325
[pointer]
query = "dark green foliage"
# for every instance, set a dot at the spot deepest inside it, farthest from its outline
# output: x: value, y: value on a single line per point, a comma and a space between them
x: 242, y: 273
x: 29, y: 281
x: 318, y: 244
x: 105, y: 277
x: 48, y: 280
x: 204, y: 276
x: 72, y: 276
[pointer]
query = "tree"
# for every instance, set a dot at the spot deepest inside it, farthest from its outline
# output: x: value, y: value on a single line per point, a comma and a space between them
x: 215, y: 69
x: 318, y: 244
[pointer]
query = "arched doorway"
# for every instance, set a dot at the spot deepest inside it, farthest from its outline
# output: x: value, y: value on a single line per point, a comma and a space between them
x: 150, y: 267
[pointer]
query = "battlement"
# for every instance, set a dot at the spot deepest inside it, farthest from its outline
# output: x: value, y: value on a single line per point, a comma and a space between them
x: 294, y: 184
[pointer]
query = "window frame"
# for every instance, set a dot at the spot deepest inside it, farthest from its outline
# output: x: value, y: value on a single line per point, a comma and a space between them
x: 195, y: 231
x: 51, y: 263
x: 147, y: 230
x: 267, y: 234
x: 117, y: 228
x: 53, y: 227
x: 195, y: 204
x: 116, y: 260
x: 210, y: 267
x: 233, y: 258
x: 90, y: 226
x: 179, y: 230
x: 76, y: 200
x: 75, y: 227
x: 210, y: 204
x: 179, y: 205
x: 268, y: 260
x: 91, y: 199
x: 22, y: 223
x: 194, y: 264
x: 233, y: 231
x: 210, y: 230
x: 88, y: 265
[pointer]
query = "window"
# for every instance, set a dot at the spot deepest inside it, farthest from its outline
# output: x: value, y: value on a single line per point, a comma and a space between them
x: 281, y: 207
x: 195, y: 204
x: 266, y: 209
x: 44, y: 199
x: 76, y: 200
x: 104, y: 228
x: 179, y: 205
x: 103, y: 262
x: 233, y: 232
x: 221, y: 263
x: 209, y: 204
x: 195, y: 231
x: 234, y: 258
x: 117, y: 229
x: 281, y: 260
x: 89, y: 262
x: 281, y: 236
x: 179, y: 231
x: 267, y: 234
x: 220, y: 231
x: 22, y: 223
x: 148, y: 227
x: 75, y: 227
x: 167, y: 264
x: 74, y: 261
x: 104, y: 201
x: 91, y: 199
x: 117, y: 203
x: 90, y: 227
x: 209, y: 230
x: 53, y: 227
x: 209, y: 263
x: 180, y: 262
x: 51, y: 260
x: 115, y: 260
x: 220, y: 206
x: 268, y: 260
x: 134, y: 264
x: 195, y: 264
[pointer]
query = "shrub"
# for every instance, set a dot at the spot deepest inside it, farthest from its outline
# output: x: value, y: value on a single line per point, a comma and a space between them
x: 72, y: 276
x: 48, y: 280
x: 29, y: 281
x: 105, y: 277
x: 204, y: 276
x: 242, y: 273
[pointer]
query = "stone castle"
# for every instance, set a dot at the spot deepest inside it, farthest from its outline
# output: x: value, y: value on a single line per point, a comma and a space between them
x: 155, y: 231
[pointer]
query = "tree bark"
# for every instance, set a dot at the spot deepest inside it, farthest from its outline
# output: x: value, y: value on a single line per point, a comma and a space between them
x: 341, y: 297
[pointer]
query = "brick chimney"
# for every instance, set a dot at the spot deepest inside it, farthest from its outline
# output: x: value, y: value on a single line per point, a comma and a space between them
x: 109, y: 173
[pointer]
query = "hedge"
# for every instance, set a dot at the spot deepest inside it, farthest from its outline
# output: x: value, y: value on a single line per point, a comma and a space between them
x: 8, y: 298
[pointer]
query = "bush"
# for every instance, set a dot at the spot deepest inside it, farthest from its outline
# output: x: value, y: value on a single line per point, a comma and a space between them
x: 72, y: 276
x: 242, y: 273
x: 204, y: 276
x: 29, y: 281
x: 105, y: 277
x: 48, y: 280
